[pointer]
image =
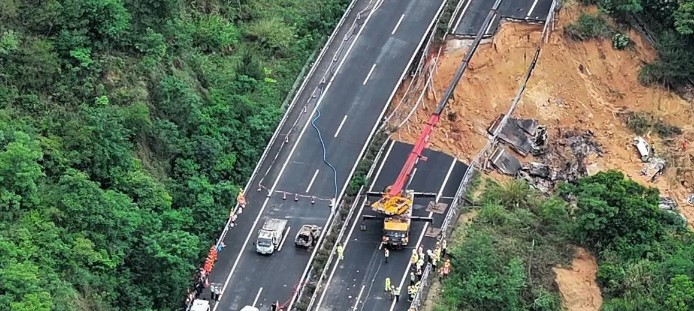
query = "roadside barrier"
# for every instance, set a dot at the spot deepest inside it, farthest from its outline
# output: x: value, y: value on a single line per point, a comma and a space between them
x: 451, y: 216
x: 296, y: 95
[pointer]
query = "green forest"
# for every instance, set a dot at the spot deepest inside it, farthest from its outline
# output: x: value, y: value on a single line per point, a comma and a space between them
x: 503, y: 259
x: 126, y: 129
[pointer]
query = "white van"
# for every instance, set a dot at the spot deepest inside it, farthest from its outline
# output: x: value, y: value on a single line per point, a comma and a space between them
x: 200, y: 305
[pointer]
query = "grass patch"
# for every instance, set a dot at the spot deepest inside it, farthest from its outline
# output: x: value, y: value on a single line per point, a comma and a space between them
x: 589, y: 26
x: 643, y: 122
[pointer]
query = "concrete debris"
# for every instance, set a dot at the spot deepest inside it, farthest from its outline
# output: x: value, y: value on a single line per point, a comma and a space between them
x: 570, y: 153
x: 540, y: 170
x: 530, y: 126
x: 525, y: 136
x: 643, y: 148
x: 667, y: 203
x: 655, y: 167
x: 690, y: 199
x: 564, y: 161
x: 504, y: 161
x: 541, y: 184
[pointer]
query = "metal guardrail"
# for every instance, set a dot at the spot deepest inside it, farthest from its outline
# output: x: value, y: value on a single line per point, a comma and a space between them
x: 451, y: 216
x: 327, y: 76
x: 332, y: 255
x: 296, y: 95
x: 360, y: 193
x: 291, y: 106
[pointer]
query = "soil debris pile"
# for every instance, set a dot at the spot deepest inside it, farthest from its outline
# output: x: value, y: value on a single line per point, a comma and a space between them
x: 577, y: 285
x: 585, y: 88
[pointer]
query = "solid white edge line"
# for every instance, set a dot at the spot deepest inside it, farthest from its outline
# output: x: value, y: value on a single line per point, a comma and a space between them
x: 402, y: 76
x: 312, y: 180
x: 380, y: 167
x: 369, y: 74
x: 445, y: 180
x: 255, y: 301
x: 426, y: 226
x: 339, y: 128
x: 491, y: 23
x: 289, y: 156
x: 356, y: 163
x: 356, y: 304
x: 532, y: 8
x: 380, y: 245
x: 286, y: 233
x: 349, y: 234
x: 398, y: 24
x: 462, y: 14
x: 407, y: 269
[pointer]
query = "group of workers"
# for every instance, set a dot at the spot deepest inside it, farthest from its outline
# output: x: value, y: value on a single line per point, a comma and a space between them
x: 417, y: 260
x: 202, y: 280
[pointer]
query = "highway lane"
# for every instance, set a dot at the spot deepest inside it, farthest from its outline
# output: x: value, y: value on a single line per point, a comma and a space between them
x: 357, y: 282
x: 473, y: 13
x: 350, y: 109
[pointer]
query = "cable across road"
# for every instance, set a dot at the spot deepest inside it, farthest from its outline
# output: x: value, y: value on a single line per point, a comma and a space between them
x: 325, y: 151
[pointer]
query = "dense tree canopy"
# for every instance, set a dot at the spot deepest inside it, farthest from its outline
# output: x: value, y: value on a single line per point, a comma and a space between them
x: 126, y: 129
x: 503, y: 260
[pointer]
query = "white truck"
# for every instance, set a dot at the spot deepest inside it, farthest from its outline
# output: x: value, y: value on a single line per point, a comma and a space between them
x: 270, y: 236
x: 200, y: 305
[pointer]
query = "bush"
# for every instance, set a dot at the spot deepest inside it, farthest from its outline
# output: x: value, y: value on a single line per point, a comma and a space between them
x: 642, y: 122
x: 589, y: 26
x: 620, y: 41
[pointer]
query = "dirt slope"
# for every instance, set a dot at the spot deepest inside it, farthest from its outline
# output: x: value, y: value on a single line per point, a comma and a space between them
x: 577, y: 285
x: 576, y: 85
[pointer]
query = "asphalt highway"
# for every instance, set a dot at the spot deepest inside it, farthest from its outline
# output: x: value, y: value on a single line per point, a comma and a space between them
x: 351, y: 106
x: 358, y: 281
x: 473, y: 13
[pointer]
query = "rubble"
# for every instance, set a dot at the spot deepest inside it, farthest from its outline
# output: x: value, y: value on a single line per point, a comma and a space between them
x: 505, y: 162
x: 667, y: 203
x: 541, y: 170
x: 569, y: 154
x: 564, y: 161
x: 525, y: 136
x: 653, y: 168
x: 690, y: 199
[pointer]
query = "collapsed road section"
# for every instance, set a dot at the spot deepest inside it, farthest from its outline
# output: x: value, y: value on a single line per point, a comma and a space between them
x: 333, y: 129
x: 357, y: 282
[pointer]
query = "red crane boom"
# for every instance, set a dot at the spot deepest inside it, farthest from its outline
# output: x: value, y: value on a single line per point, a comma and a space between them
x: 415, y: 154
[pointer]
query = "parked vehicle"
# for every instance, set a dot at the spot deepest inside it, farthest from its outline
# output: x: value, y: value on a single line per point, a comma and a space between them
x: 200, y: 305
x: 270, y: 236
x: 307, y: 236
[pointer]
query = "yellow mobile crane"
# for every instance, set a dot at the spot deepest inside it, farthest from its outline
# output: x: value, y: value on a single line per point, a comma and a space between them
x: 396, y: 202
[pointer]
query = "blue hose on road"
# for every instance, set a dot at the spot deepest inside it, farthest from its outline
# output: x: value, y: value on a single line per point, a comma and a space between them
x: 325, y: 152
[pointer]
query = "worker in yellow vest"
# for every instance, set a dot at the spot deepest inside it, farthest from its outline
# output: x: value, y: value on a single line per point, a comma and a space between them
x: 340, y: 252
x: 387, y: 284
x: 414, y: 258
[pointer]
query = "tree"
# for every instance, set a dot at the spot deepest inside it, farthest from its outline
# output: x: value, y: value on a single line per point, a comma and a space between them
x: 19, y: 175
x: 681, y: 293
x: 611, y: 208
x: 684, y: 18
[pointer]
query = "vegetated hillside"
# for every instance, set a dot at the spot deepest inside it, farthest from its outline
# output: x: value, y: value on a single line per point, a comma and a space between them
x: 504, y: 259
x: 126, y: 129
